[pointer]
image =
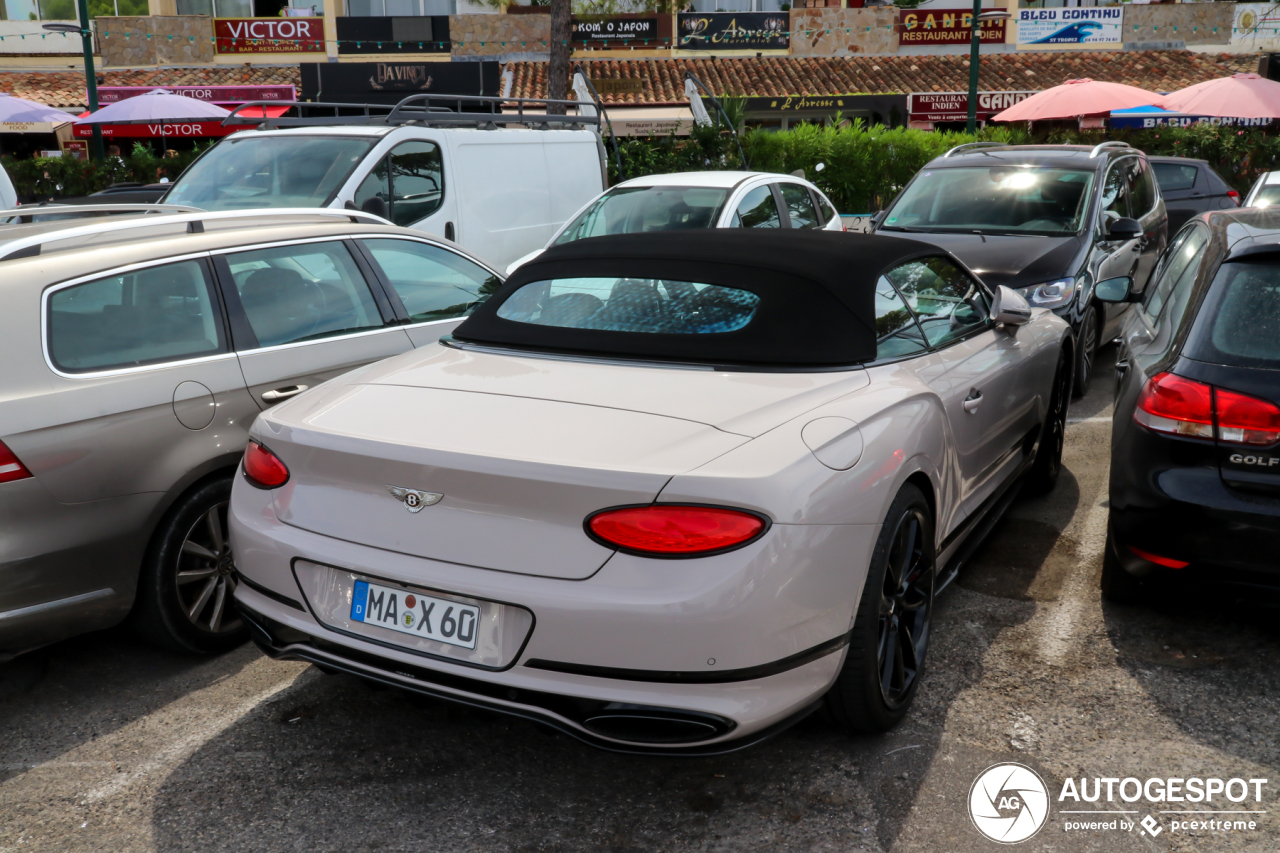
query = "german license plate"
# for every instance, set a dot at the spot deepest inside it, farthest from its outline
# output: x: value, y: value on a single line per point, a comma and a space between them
x: 415, y: 614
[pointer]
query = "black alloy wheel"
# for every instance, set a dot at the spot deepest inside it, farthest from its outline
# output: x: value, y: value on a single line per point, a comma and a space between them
x: 1087, y: 344
x: 1048, y: 463
x: 890, y: 637
x: 188, y: 578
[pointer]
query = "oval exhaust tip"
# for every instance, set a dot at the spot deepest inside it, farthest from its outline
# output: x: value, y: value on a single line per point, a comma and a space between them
x: 640, y: 724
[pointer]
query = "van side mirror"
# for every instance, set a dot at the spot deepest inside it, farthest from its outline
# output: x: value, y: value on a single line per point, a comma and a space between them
x: 1124, y: 229
x: 1010, y: 307
x: 876, y: 219
x: 1114, y: 289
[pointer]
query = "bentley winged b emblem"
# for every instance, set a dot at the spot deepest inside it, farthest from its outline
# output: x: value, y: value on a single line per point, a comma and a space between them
x: 413, y: 499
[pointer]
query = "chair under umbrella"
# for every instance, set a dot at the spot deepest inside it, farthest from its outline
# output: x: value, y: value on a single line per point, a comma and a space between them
x: 1237, y: 96
x: 1076, y: 98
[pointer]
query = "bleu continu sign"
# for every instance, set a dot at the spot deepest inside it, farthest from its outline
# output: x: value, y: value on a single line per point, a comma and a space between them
x: 1066, y: 27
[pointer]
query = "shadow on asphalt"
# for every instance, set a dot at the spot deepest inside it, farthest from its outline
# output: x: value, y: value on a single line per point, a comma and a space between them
x: 58, y: 697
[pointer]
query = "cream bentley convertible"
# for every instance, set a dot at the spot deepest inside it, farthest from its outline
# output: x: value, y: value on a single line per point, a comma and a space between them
x: 664, y: 492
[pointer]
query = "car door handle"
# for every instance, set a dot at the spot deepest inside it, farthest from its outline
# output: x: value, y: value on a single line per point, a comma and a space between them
x: 283, y: 393
x: 972, y: 402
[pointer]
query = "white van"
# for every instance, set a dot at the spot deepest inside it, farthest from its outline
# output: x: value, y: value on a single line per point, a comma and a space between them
x: 499, y: 192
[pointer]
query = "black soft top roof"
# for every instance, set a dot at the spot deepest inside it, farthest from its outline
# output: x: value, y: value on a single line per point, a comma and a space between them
x: 816, y: 289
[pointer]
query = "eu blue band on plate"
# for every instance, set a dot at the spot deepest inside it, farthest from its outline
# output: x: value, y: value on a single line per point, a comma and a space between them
x: 359, y: 598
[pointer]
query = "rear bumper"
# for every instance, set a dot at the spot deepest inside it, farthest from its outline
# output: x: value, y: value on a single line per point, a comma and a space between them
x: 1189, y: 515
x: 744, y: 642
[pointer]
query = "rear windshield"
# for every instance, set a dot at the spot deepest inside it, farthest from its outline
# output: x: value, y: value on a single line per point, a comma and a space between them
x: 1239, y: 323
x: 631, y: 305
x: 269, y: 171
x: 632, y: 210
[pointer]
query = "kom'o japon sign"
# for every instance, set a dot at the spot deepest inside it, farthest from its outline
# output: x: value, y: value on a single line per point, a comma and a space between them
x: 946, y: 26
x: 269, y: 35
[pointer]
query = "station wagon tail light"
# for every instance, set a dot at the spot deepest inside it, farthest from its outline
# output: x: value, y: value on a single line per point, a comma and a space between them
x: 670, y: 530
x: 11, y: 468
x: 262, y: 468
x: 1234, y: 196
x: 1177, y: 406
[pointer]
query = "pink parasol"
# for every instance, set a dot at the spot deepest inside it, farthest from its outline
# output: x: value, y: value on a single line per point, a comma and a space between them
x: 1237, y: 96
x: 1076, y: 98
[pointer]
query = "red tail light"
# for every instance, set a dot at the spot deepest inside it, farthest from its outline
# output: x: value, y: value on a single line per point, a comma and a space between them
x: 262, y: 468
x: 675, y: 531
x: 10, y: 467
x: 1246, y: 420
x: 1167, y: 562
x: 1175, y: 405
x: 1234, y: 196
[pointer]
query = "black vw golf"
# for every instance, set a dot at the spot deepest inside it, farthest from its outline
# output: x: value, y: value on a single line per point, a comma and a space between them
x: 1195, y: 463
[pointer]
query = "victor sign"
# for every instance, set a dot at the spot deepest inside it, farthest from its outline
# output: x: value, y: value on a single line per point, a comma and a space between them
x: 269, y: 35
x: 945, y: 26
x: 1046, y: 29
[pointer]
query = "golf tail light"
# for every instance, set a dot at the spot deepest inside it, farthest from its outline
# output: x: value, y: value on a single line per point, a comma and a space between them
x: 1234, y: 196
x: 1167, y: 562
x: 262, y: 468
x: 675, y: 531
x: 10, y: 467
x: 1178, y: 406
x: 1246, y: 420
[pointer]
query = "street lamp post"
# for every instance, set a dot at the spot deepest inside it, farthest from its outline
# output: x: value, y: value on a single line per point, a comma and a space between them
x: 90, y: 77
x: 975, y: 39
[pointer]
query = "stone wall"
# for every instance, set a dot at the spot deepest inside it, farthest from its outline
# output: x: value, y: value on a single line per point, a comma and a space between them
x: 1192, y: 23
x: 843, y: 32
x: 499, y: 35
x: 174, y: 40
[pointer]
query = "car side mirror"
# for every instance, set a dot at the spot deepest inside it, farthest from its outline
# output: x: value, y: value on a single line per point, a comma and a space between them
x: 875, y: 219
x: 1010, y: 307
x: 376, y: 206
x: 1114, y: 289
x: 1124, y: 229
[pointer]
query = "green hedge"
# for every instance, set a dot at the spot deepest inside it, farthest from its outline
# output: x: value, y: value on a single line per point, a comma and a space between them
x: 865, y: 167
x: 44, y: 178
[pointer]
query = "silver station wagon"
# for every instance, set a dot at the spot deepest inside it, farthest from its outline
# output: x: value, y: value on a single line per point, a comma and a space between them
x: 138, y: 350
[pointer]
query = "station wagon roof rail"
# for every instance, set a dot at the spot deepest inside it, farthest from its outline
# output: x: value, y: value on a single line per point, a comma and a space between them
x: 422, y: 109
x: 970, y: 145
x: 60, y: 209
x: 26, y: 247
x: 1101, y: 146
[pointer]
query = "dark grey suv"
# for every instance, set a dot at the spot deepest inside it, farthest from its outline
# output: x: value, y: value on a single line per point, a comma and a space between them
x: 1047, y: 220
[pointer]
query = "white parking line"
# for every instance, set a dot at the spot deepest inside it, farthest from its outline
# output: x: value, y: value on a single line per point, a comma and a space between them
x: 1097, y: 419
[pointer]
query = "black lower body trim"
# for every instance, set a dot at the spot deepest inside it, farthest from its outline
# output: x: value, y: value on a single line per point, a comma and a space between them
x: 750, y: 673
x: 270, y: 593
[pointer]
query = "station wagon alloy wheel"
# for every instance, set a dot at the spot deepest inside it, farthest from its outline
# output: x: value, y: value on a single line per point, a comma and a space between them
x: 906, y: 607
x: 206, y: 574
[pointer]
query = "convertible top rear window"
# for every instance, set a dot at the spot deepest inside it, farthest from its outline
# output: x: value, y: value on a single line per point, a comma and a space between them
x: 725, y: 297
x: 632, y: 305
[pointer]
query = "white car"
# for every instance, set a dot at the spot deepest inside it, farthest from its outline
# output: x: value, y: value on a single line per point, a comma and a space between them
x: 699, y: 200
x: 1265, y: 191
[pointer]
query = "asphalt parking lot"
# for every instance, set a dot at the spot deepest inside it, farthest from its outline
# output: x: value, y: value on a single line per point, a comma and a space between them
x: 109, y: 744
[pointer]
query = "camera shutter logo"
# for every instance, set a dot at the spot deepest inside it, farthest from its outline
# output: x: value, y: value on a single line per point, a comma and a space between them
x: 1009, y: 803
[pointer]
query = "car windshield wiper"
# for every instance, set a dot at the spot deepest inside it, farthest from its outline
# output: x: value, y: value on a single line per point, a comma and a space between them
x: 904, y: 228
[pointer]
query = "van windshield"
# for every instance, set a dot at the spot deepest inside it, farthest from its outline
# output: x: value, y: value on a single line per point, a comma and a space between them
x: 269, y: 171
x: 994, y: 199
x: 632, y: 210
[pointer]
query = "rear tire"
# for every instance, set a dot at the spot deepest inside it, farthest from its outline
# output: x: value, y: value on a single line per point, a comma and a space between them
x: 1118, y: 585
x: 187, y: 581
x: 1086, y: 347
x: 1048, y: 464
x: 885, y: 660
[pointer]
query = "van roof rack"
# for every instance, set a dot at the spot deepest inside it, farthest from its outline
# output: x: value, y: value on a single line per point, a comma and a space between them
x: 970, y: 145
x: 486, y: 113
x: 29, y: 246
x: 53, y: 208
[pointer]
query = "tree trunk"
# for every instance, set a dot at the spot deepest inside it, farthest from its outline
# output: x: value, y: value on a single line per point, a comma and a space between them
x: 561, y: 47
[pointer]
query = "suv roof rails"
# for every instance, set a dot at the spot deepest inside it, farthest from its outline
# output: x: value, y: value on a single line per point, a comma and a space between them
x: 26, y: 247
x: 47, y: 209
x: 424, y: 110
x: 974, y: 145
x: 1098, y: 149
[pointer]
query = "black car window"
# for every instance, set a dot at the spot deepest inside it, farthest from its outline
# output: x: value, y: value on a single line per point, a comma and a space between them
x: 1115, y: 196
x: 406, y: 186
x: 1239, y: 321
x: 799, y: 206
x: 632, y: 305
x: 897, y: 333
x: 432, y: 282
x: 302, y: 292
x: 828, y: 212
x: 1141, y: 189
x: 1175, y: 177
x: 757, y: 210
x: 947, y: 302
x: 1177, y: 260
x: 158, y: 314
